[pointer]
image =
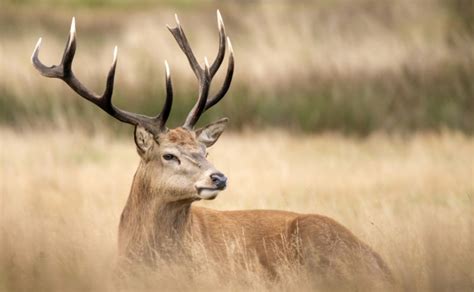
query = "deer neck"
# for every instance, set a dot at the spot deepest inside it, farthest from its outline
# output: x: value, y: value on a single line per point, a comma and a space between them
x: 150, y: 222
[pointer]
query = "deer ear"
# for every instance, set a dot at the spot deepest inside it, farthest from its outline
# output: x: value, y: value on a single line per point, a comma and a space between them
x: 143, y: 140
x: 209, y: 134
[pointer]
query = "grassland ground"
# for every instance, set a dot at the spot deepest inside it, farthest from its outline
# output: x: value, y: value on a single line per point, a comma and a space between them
x: 409, y: 197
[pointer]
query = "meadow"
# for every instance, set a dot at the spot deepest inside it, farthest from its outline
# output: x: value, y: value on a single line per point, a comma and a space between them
x: 410, y: 198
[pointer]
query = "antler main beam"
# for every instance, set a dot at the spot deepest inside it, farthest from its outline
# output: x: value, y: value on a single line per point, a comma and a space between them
x: 64, y: 72
x: 205, y: 75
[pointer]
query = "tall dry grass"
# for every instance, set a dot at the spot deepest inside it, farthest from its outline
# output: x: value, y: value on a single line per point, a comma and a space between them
x: 410, y: 198
x: 354, y: 67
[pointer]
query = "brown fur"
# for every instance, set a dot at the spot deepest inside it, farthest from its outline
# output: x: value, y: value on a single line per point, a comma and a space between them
x: 182, y: 137
x: 158, y: 220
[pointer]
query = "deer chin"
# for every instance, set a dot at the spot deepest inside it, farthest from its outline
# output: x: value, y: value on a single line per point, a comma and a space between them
x: 207, y: 193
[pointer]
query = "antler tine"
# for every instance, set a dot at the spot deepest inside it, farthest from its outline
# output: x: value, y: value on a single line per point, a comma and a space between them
x: 183, y: 43
x: 165, y: 112
x: 222, y: 42
x: 64, y: 72
x: 227, y: 81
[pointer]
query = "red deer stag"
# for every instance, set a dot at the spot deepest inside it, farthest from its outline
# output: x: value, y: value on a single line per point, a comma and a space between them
x: 174, y: 172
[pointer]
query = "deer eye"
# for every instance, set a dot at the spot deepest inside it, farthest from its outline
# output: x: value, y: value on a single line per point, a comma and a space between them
x: 169, y: 157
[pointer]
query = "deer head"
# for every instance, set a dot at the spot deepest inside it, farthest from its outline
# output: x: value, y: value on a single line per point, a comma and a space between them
x: 177, y: 156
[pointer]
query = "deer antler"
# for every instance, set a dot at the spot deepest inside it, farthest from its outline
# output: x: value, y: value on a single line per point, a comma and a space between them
x: 205, y: 75
x: 155, y: 124
x: 64, y: 72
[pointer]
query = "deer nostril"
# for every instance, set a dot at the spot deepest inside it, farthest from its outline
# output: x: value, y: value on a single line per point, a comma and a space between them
x: 219, y: 180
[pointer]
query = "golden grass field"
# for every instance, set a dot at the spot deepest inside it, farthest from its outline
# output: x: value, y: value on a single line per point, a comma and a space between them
x: 410, y: 198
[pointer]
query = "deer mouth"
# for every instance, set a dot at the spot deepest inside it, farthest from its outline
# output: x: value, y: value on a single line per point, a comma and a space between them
x: 208, y: 193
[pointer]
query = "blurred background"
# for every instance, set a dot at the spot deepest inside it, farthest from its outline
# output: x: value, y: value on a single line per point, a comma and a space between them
x: 353, y: 67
